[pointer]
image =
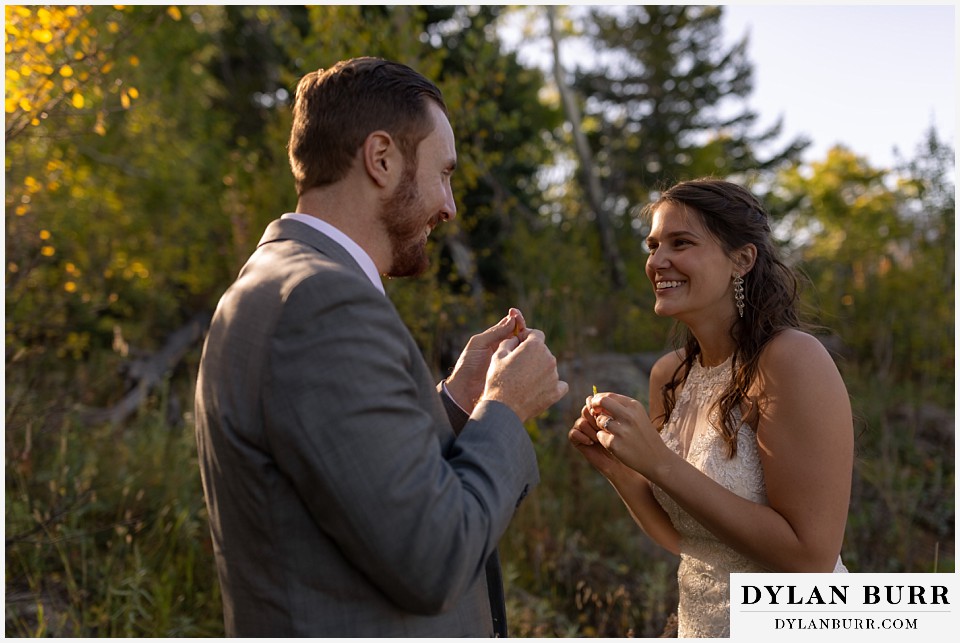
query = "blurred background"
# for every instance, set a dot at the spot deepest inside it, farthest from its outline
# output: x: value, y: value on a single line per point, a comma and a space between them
x: 145, y: 153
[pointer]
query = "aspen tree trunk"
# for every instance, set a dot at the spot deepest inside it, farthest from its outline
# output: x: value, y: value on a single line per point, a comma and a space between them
x: 588, y: 169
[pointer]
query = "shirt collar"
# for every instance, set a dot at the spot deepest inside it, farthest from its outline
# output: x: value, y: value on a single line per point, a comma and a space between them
x: 351, y: 246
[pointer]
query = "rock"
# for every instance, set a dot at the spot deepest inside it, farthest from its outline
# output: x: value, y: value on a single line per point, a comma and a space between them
x: 627, y: 374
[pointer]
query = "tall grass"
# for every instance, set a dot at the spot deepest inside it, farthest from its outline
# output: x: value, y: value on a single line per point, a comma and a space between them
x: 106, y: 531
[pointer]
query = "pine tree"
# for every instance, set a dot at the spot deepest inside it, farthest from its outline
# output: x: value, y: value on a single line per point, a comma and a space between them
x: 666, y: 99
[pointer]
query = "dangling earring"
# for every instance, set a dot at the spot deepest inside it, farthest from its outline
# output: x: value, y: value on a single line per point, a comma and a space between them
x: 738, y: 293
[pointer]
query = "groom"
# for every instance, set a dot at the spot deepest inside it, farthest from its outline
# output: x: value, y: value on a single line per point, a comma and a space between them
x: 350, y: 494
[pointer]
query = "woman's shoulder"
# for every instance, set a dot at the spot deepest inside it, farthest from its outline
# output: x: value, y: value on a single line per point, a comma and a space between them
x: 668, y: 362
x: 792, y: 349
x: 665, y: 366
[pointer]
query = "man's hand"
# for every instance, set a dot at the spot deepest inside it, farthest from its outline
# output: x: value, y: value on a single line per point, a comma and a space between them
x: 465, y: 385
x: 523, y: 375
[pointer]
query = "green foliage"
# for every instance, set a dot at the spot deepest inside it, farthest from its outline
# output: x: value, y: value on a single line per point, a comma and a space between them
x: 903, y: 512
x: 118, y: 233
x: 873, y: 252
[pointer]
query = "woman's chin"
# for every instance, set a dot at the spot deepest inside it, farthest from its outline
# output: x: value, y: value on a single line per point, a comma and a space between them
x: 660, y: 309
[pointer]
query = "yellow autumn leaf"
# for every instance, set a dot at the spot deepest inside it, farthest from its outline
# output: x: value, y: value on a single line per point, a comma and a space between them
x: 174, y: 12
x: 125, y: 100
x: 135, y: 61
x: 42, y: 35
x: 66, y: 71
x: 77, y: 100
x: 134, y: 94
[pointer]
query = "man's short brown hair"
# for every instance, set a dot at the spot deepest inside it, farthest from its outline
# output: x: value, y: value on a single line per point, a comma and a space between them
x: 337, y: 108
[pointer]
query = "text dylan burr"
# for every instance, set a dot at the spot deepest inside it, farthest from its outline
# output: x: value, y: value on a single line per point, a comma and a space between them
x: 837, y: 595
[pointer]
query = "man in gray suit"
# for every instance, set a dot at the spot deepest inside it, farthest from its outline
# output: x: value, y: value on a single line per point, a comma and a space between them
x: 349, y: 493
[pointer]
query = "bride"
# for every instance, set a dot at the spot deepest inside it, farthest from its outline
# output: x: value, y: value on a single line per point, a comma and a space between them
x: 744, y: 462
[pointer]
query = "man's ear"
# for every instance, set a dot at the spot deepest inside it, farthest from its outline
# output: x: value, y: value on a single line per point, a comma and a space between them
x: 381, y: 158
x: 745, y: 257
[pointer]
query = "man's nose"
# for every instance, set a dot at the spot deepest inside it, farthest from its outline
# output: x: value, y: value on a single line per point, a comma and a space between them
x: 449, y: 211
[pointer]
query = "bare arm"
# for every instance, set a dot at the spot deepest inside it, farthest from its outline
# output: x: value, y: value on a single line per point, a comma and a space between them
x: 805, y: 436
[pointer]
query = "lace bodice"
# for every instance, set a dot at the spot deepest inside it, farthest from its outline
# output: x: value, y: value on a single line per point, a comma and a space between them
x: 705, y: 562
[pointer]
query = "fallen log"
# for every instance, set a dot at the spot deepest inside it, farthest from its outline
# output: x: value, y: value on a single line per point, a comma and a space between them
x: 150, y: 371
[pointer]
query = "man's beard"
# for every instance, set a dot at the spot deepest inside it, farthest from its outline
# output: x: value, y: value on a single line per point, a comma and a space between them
x: 402, y: 217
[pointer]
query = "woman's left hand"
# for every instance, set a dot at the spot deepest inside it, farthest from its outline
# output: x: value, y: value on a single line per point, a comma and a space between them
x: 625, y: 431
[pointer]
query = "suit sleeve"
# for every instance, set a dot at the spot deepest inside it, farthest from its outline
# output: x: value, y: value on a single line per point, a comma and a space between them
x: 356, y: 433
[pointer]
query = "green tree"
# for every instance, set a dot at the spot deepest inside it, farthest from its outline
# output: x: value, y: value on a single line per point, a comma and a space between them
x: 928, y: 203
x: 98, y: 238
x: 665, y: 101
x: 873, y: 248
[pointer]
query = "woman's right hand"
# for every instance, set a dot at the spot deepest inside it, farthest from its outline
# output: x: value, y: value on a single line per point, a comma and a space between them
x: 583, y: 436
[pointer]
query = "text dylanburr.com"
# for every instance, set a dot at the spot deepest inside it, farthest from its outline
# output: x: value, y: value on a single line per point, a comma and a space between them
x: 907, y: 607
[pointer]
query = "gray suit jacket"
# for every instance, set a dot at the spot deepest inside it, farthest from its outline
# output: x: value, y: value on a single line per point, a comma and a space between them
x: 346, y: 497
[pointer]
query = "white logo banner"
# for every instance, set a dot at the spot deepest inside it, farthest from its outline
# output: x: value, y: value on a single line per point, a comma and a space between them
x: 858, y: 607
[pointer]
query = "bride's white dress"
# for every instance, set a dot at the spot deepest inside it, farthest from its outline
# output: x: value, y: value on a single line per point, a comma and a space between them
x: 705, y: 562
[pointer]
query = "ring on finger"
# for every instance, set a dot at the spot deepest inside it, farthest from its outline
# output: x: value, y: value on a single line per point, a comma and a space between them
x: 606, y: 422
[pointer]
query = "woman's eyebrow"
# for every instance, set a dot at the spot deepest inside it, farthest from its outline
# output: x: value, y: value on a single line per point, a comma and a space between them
x: 676, y: 233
